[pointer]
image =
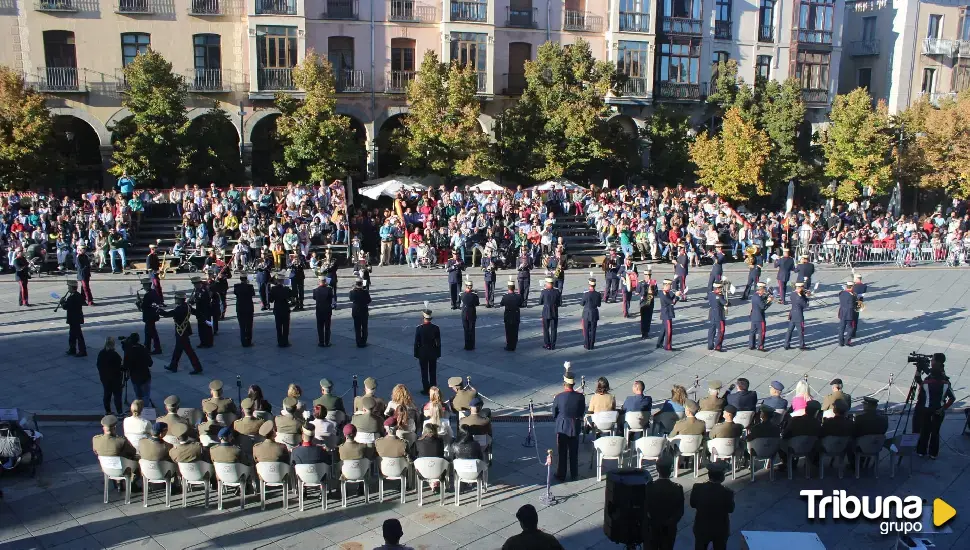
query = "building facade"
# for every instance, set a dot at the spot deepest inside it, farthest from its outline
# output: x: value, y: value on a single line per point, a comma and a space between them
x: 236, y: 54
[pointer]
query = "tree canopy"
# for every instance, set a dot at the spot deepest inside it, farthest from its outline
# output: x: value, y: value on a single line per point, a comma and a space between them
x: 943, y: 145
x: 26, y: 135
x: 733, y: 162
x: 856, y: 145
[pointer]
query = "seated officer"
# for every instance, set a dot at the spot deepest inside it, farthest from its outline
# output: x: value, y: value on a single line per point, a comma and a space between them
x: 390, y: 446
x: 307, y: 452
x: 290, y: 423
x: 154, y: 446
x: 712, y: 402
x: 476, y: 423
x: 462, y: 396
x: 775, y: 400
x: 269, y: 450
x: 210, y: 426
x: 110, y: 443
x: 870, y: 421
x: 248, y: 424
x: 742, y: 398
x: 370, y: 390
x: 186, y: 449
x: 366, y: 420
x: 226, y: 452
x: 171, y: 416
x: 837, y: 425
x: 351, y: 450
x: 689, y: 425
x: 836, y: 395
x: 224, y: 405
x: 727, y: 427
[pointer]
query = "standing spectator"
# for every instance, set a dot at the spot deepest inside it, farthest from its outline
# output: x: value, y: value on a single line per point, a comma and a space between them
x: 138, y: 363
x: 117, y: 243
x: 110, y: 373
x: 531, y: 538
x: 714, y: 504
x: 126, y: 184
x: 392, y: 532
x: 664, y: 506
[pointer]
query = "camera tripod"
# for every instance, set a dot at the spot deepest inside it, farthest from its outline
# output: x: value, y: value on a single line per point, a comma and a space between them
x: 907, y: 409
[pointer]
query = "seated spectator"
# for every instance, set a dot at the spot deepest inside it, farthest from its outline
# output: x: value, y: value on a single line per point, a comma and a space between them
x: 210, y: 426
x: 365, y: 420
x: 400, y: 396
x: 390, y: 446
x: 430, y: 444
x: 324, y: 430
x: 838, y: 424
x: 154, y: 446
x: 764, y: 428
x: 307, y: 452
x: 248, y: 424
x: 466, y: 446
x: 727, y: 428
x: 602, y: 400
x: 186, y: 449
x: 350, y: 449
x: 870, y: 421
x: 638, y: 402
x: 475, y: 422
x: 288, y: 422
x: 689, y: 425
x: 742, y: 398
x: 227, y: 452
x: 370, y: 390
x: 135, y: 425
x: 295, y: 392
x: 678, y: 396
x: 269, y: 450
x: 531, y: 538
x: 775, y: 400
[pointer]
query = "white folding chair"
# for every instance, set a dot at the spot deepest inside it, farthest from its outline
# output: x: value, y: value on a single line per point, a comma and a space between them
x: 802, y: 446
x: 485, y: 442
x: 869, y: 446
x: 194, y: 474
x: 354, y: 471
x: 688, y: 445
x: 273, y: 474
x: 471, y: 471
x: 611, y: 447
x: 649, y: 447
x: 159, y: 473
x: 709, y: 418
x: 232, y: 474
x: 833, y: 447
x: 312, y: 475
x: 428, y: 470
x: 724, y: 448
x: 393, y: 469
x: 764, y: 448
x: 604, y: 421
x: 206, y: 441
x: 120, y: 469
x: 744, y: 418
x: 365, y: 438
x: 635, y: 423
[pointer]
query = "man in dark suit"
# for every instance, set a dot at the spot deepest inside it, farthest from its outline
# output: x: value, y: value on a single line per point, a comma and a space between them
x: 469, y: 314
x: 73, y: 304
x: 279, y: 296
x: 663, y: 508
x: 742, y: 398
x: 84, y: 274
x: 427, y: 349
x: 551, y: 301
x: 512, y: 302
x: 149, y: 315
x: 323, y: 296
x: 847, y: 300
x: 591, y: 314
x: 454, y: 266
x: 245, y: 310
x: 714, y: 504
x: 360, y: 299
x: 838, y: 424
x: 568, y: 409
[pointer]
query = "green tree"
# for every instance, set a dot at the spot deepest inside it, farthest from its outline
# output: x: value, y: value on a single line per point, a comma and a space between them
x: 943, y: 146
x: 318, y: 144
x: 441, y: 133
x: 212, y: 149
x: 782, y: 116
x: 669, y: 135
x: 26, y: 136
x: 856, y: 145
x: 733, y: 162
x: 150, y: 145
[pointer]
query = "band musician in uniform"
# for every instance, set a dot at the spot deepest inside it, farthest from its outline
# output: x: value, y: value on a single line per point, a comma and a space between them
x: 551, y: 301
x: 182, y: 315
x: 469, y: 314
x: 323, y: 296
x: 568, y: 409
x: 754, y: 261
x: 454, y: 267
x: 591, y: 313
x: 785, y: 266
x: 279, y: 296
x: 647, y: 289
x: 245, y: 310
x: 717, y: 316
x: 150, y: 302
x: 759, y: 304
x: 847, y: 306
x: 154, y: 266
x: 427, y: 349
x: 84, y: 274
x: 360, y: 312
x: 667, y: 299
x: 860, y: 289
x: 512, y: 302
x: 488, y: 268
x: 524, y: 276
x: 796, y: 317
x: 628, y: 283
x: 73, y: 304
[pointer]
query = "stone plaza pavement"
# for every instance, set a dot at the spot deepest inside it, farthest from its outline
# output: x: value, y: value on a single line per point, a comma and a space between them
x: 919, y: 309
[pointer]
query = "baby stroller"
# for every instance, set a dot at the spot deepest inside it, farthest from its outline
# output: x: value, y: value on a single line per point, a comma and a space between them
x: 19, y: 444
x: 955, y: 255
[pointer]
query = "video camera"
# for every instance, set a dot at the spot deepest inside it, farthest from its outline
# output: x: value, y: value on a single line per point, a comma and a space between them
x: 921, y: 360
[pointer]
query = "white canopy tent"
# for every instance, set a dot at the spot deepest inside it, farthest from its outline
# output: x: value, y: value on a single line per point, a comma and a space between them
x: 389, y: 186
x: 560, y: 183
x: 487, y: 185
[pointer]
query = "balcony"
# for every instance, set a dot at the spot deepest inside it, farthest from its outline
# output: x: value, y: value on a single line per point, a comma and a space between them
x: 936, y: 98
x: 409, y: 11
x: 682, y: 25
x: 396, y: 82
x: 475, y: 12
x: 812, y: 36
x: 581, y: 21
x: 521, y: 19
x: 722, y: 30
x: 766, y: 33
x: 351, y: 81
x: 59, y: 80
x: 636, y: 86
x: 810, y: 96
x: 631, y: 21
x: 121, y: 81
x: 69, y: 6
x: 861, y: 48
x: 275, y: 80
x: 134, y: 7
x: 680, y: 91
x: 514, y: 83
x: 206, y: 81
x: 204, y: 8
x: 482, y: 82
x: 275, y: 7
x: 340, y: 9
x: 940, y: 46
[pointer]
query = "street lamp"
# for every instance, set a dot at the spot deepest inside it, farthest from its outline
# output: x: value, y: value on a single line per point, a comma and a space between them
x: 242, y: 132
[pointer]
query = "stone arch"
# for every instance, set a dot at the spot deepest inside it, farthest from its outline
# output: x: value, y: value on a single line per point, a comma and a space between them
x: 388, y: 162
x: 254, y: 119
x: 356, y: 115
x: 629, y: 124
x: 265, y: 148
x: 104, y: 136
x: 362, y: 138
x: 77, y: 142
x: 389, y: 113
x: 196, y: 112
x: 119, y: 115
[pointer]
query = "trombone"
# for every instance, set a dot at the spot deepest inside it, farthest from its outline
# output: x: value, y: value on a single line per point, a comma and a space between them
x: 163, y: 268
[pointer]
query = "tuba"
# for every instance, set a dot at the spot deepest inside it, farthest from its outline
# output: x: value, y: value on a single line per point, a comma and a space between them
x: 749, y: 254
x: 860, y: 306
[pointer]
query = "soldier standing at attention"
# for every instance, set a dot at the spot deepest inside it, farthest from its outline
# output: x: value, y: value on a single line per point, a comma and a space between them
x: 454, y: 266
x: 785, y: 266
x: 524, y: 276
x: 150, y: 303
x: 427, y: 350
x: 360, y: 299
x: 245, y: 310
x: 280, y: 296
x: 84, y: 274
x: 717, y: 316
x: 647, y: 289
x: 591, y: 313
x: 323, y: 296
x: 488, y: 267
x: 73, y: 304
x: 297, y: 278
x: 22, y: 273
x: 796, y: 317
x: 717, y: 270
x: 551, y: 301
x: 568, y: 409
x: 847, y: 301
x: 469, y: 315
x: 626, y: 291
x: 330, y: 269
x: 759, y: 326
x: 154, y: 266
x: 612, y: 270
x: 512, y: 302
x: 183, y: 330
x: 680, y: 270
x: 860, y: 289
x: 667, y: 301
x: 264, y: 277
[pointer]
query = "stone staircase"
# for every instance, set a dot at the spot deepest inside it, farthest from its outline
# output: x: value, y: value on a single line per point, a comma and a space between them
x: 582, y: 243
x: 155, y: 227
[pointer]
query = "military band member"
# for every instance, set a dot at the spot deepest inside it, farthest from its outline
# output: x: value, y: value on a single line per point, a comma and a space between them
x: 611, y: 267
x: 330, y: 271
x: 150, y: 302
x: 84, y: 274
x: 427, y: 350
x: 512, y: 302
x: 323, y: 296
x: 551, y: 301
x: 785, y: 266
x: 22, y: 273
x: 552, y: 266
x: 718, y: 317
x: 488, y: 268
x: 524, y: 276
x: 680, y: 270
x: 847, y: 305
x: 667, y: 299
x: 626, y: 290
x: 73, y: 304
x: 245, y: 310
x: 454, y: 266
x: 717, y: 268
x: 647, y: 289
x: 215, y: 304
x: 860, y: 289
x: 559, y: 274
x: 221, y: 287
x: 264, y: 279
x: 202, y: 308
x: 181, y: 314
x: 754, y: 273
x: 796, y: 317
x: 759, y: 304
x: 360, y: 311
x: 568, y: 410
x: 297, y: 277
x: 804, y: 271
x: 362, y: 269
x: 154, y: 266
x: 469, y: 314
x: 279, y: 296
x: 591, y: 313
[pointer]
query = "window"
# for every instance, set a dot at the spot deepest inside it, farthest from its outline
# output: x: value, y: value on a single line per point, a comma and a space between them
x: 961, y: 76
x: 276, y: 47
x: 402, y: 54
x: 864, y: 78
x: 132, y: 44
x: 679, y: 63
x: 934, y: 26
x: 965, y: 26
x: 763, y: 67
x: 868, y: 29
x: 722, y: 10
x: 208, y: 51
x: 469, y: 48
x: 766, y: 21
x: 340, y: 52
x: 631, y: 58
x: 690, y: 9
x: 929, y: 81
x: 816, y: 15
x: 59, y: 49
x: 812, y: 70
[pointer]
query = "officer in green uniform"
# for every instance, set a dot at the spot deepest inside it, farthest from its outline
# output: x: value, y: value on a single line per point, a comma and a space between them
x: 370, y: 390
x: 463, y: 398
x: 109, y: 443
x: 224, y: 405
x: 689, y: 425
x: 269, y: 450
x: 248, y: 424
x: 186, y: 449
x: 226, y: 452
x: 727, y: 428
x: 171, y: 416
x: 210, y: 426
x: 712, y: 402
x: 327, y: 399
x: 289, y: 423
x: 154, y: 447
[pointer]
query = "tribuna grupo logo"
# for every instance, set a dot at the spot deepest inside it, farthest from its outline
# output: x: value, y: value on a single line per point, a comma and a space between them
x: 895, y: 514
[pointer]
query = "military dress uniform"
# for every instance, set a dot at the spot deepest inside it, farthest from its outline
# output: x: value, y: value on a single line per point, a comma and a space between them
x: 73, y: 304
x: 511, y: 317
x: 469, y: 315
x: 279, y: 296
x: 796, y: 317
x: 847, y: 301
x: 330, y: 271
x: 551, y: 301
x: 717, y: 316
x: 612, y: 272
x: 323, y: 296
x: 216, y: 305
x: 860, y: 290
x: 223, y: 405
x: 297, y: 278
x: 646, y: 287
x: 759, y: 325
x: 804, y: 272
x: 112, y: 445
x: 227, y: 453
x: 454, y: 266
x: 264, y: 277
x: 22, y: 274
x: 754, y: 275
x: 84, y: 276
x: 714, y: 401
x: 154, y: 266
x: 524, y: 278
x: 626, y: 292
x: 488, y: 268
x: 360, y: 300
x: 183, y: 331
x: 202, y: 309
x: 155, y: 449
x: 591, y: 314
x: 427, y: 350
x: 667, y: 300
x: 150, y: 303
x: 245, y: 310
x: 785, y: 266
x: 568, y: 409
x: 681, y: 270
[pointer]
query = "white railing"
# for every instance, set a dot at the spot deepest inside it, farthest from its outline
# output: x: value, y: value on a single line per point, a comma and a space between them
x: 940, y: 46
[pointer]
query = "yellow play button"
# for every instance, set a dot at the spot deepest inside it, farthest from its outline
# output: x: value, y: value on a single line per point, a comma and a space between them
x: 942, y: 512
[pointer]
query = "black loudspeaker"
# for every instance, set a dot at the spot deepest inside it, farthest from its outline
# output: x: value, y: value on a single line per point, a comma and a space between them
x: 623, y: 512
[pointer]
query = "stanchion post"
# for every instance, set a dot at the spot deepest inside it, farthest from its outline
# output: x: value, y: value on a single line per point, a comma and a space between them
x: 889, y: 391
x: 530, y: 435
x: 238, y: 390
x: 355, y: 386
x: 547, y: 498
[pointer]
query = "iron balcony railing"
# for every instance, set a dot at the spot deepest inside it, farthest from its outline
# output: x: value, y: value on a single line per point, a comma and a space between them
x: 859, y: 48
x: 205, y: 7
x: 766, y: 33
x: 521, y: 19
x: 206, y: 80
x: 276, y: 79
x: 59, y: 79
x: 682, y: 25
x: 275, y: 7
x: 722, y: 30
x: 812, y: 36
x: 964, y: 50
x: 121, y: 80
x: 514, y: 84
x: 409, y: 11
x: 636, y: 86
x: 634, y: 21
x: 476, y: 12
x: 940, y: 46
x: 936, y: 97
x: 685, y: 91
x: 396, y: 82
x: 341, y: 9
x: 482, y: 81
x: 351, y: 81
x: 583, y: 21
x: 815, y: 96
x: 142, y: 7
x: 57, y: 5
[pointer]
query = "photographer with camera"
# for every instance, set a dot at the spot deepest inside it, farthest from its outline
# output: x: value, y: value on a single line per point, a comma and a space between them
x: 935, y: 397
x: 137, y: 364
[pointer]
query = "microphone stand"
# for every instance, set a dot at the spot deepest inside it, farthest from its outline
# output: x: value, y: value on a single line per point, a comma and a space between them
x: 530, y: 434
x: 354, y: 384
x: 547, y: 498
x: 239, y: 389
